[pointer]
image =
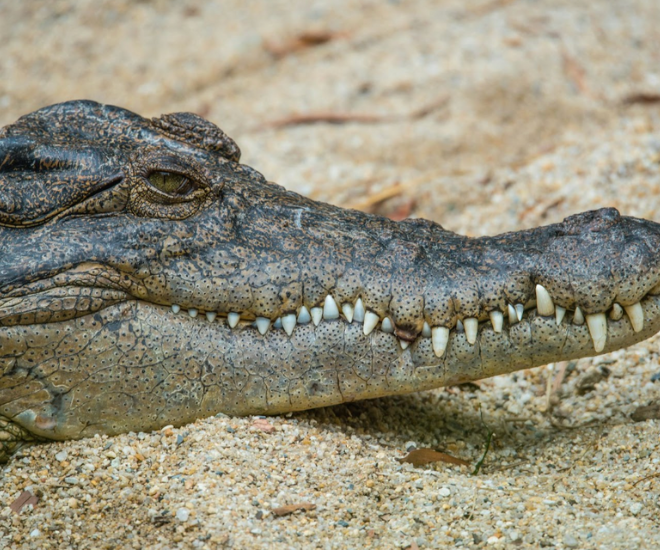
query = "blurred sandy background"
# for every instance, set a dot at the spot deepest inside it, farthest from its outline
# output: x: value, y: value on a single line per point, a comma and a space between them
x: 484, y: 115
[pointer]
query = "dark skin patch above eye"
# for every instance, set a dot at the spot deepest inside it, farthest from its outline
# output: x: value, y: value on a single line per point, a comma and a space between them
x: 171, y: 183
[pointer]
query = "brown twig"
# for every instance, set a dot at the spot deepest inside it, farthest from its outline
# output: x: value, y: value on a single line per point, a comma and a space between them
x: 651, y: 476
x: 331, y: 117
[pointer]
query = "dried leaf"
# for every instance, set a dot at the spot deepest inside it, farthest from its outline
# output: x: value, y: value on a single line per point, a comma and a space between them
x: 291, y: 508
x: 421, y: 457
x: 25, y: 498
x: 648, y: 412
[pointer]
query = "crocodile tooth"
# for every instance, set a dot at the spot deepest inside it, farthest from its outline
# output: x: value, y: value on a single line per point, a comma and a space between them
x: 263, y: 324
x: 233, y: 319
x: 192, y: 312
x: 520, y: 309
x: 303, y: 316
x: 176, y: 308
x: 636, y: 314
x: 330, y: 310
x: 578, y: 318
x: 513, y: 316
x: 386, y: 325
x: 544, y: 304
x: 403, y: 343
x: 559, y: 314
x: 359, y: 312
x: 616, y: 312
x: 471, y: 325
x: 289, y: 323
x: 370, y: 322
x: 211, y: 315
x: 347, y: 310
x: 597, y: 323
x: 496, y: 318
x: 459, y: 326
x: 278, y: 323
x: 317, y: 315
x: 426, y: 330
x: 439, y: 340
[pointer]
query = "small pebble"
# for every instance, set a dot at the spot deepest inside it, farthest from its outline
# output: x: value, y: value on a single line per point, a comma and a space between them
x: 182, y: 514
x: 444, y: 492
x: 570, y: 541
x: 636, y: 508
x: 35, y: 533
x: 61, y: 456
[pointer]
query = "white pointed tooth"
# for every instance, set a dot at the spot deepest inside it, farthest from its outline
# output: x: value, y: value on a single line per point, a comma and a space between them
x: 496, y: 318
x: 347, y: 310
x: 426, y: 330
x: 520, y: 309
x: 330, y: 310
x: 370, y: 322
x: 386, y: 325
x: 617, y: 312
x: 513, y: 316
x: 404, y: 344
x: 439, y: 339
x: 559, y: 314
x: 211, y: 315
x: 289, y: 323
x: 636, y: 314
x: 233, y: 319
x: 597, y: 323
x: 303, y: 316
x: 359, y: 311
x: 192, y: 312
x: 317, y: 315
x: 278, y: 323
x: 578, y: 318
x: 544, y: 304
x: 176, y: 308
x: 471, y: 325
x: 263, y: 324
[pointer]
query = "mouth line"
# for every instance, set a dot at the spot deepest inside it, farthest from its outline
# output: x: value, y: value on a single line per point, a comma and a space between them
x: 57, y: 303
x: 471, y: 327
x: 54, y: 300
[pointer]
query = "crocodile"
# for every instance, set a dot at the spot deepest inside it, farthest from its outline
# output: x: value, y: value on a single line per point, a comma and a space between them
x: 147, y: 278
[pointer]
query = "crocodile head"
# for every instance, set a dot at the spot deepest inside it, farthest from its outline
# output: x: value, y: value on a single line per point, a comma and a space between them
x: 147, y: 278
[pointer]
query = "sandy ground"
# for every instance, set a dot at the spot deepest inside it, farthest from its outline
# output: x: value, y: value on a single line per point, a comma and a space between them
x: 486, y: 116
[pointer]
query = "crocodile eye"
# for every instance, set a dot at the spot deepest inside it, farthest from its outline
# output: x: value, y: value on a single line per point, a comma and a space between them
x: 172, y: 183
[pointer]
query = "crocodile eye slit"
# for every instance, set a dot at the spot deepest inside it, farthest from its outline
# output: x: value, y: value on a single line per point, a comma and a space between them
x: 470, y: 327
x: 171, y: 183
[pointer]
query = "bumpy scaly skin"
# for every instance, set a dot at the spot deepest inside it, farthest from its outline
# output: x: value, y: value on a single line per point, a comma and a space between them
x: 116, y: 295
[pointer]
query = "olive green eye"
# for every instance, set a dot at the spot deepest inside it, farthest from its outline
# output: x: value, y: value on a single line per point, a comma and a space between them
x: 171, y: 183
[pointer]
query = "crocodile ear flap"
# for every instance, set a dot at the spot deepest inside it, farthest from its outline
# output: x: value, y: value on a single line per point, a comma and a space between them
x: 197, y: 132
x: 39, y: 180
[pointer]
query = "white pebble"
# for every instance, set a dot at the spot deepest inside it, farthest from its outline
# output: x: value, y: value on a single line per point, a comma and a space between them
x: 636, y: 508
x: 444, y: 492
x: 182, y: 514
x: 61, y: 456
x: 35, y: 533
